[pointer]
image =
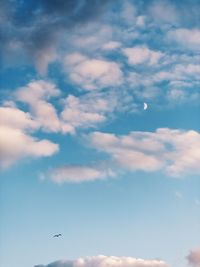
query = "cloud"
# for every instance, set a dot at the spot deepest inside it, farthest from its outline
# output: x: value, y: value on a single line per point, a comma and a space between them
x: 37, y: 94
x: 128, y: 13
x: 142, y: 55
x: 194, y: 258
x: 16, y: 141
x: 38, y: 31
x: 37, y: 90
x: 89, y: 110
x: 164, y: 12
x: 78, y: 174
x: 176, y: 152
x: 91, y: 74
x: 16, y: 144
x: 112, y: 45
x: 15, y: 118
x: 185, y: 38
x: 102, y: 261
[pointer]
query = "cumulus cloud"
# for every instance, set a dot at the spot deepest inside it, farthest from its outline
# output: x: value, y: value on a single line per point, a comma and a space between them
x: 16, y: 141
x: 37, y: 95
x: 185, y: 38
x: 16, y: 144
x: 142, y: 55
x: 90, y: 74
x: 194, y: 258
x: 102, y: 261
x: 84, y: 111
x: 173, y: 151
x: 15, y: 118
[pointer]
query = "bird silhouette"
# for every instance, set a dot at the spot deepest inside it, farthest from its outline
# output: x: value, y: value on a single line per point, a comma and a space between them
x: 58, y: 235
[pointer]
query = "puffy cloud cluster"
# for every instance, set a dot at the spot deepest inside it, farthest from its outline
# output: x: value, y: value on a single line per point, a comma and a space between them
x: 36, y: 94
x: 91, y: 74
x: 142, y: 55
x: 194, y: 258
x: 176, y: 152
x: 16, y: 141
x: 88, y: 110
x: 103, y: 261
x: 77, y: 112
x: 37, y: 112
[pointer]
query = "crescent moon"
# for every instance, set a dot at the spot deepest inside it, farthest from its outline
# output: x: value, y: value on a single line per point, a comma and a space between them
x: 145, y: 106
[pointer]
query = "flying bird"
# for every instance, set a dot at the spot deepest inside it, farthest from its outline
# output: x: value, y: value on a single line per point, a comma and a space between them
x: 145, y: 106
x: 58, y: 235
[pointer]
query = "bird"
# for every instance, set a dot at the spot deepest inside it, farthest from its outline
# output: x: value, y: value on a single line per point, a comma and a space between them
x: 57, y: 235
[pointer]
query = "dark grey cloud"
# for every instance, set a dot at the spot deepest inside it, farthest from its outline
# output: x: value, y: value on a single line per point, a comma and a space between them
x: 35, y: 27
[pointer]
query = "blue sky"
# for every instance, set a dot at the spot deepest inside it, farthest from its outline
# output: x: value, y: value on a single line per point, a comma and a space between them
x: 79, y: 155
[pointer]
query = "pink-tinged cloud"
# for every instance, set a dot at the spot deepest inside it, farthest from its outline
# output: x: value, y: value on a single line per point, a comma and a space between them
x: 175, y: 152
x: 104, y: 261
x: 194, y: 258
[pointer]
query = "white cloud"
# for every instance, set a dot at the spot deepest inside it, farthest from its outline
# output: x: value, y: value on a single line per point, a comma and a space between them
x: 103, y: 261
x: 16, y: 144
x: 88, y: 110
x: 37, y: 94
x: 112, y: 45
x: 142, y: 55
x: 176, y: 152
x: 16, y: 118
x: 78, y: 173
x: 37, y: 90
x: 92, y: 74
x: 15, y: 139
x: 186, y: 38
x: 194, y: 258
x: 80, y: 114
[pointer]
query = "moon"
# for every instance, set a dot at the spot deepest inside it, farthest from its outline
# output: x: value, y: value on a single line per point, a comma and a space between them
x: 145, y: 106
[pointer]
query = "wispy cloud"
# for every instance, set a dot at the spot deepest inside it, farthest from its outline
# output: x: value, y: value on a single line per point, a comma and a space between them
x: 78, y: 174
x: 185, y: 38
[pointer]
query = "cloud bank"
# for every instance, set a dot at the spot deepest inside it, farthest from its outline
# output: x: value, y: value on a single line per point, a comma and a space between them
x: 103, y: 261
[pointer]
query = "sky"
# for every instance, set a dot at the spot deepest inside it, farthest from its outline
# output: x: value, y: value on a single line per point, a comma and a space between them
x: 79, y: 153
